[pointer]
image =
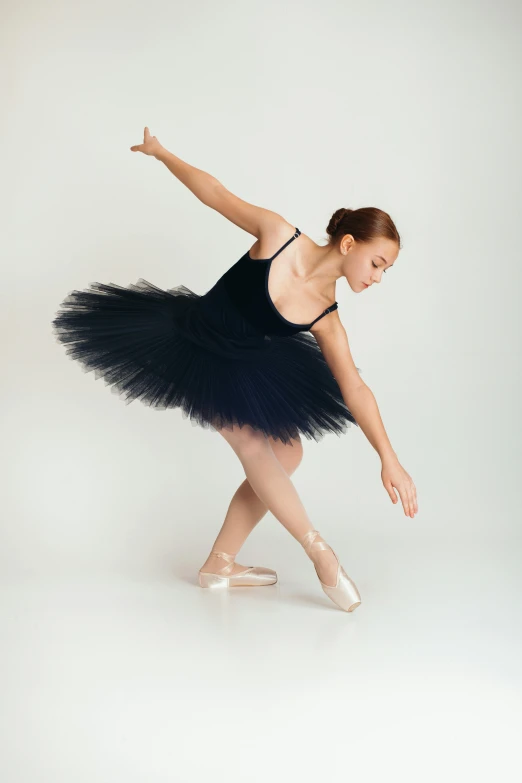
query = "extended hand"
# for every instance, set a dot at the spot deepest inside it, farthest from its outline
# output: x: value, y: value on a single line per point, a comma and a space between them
x: 394, y: 475
x: 150, y: 146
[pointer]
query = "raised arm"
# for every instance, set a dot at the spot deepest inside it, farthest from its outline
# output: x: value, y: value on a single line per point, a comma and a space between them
x: 202, y: 184
x: 211, y: 192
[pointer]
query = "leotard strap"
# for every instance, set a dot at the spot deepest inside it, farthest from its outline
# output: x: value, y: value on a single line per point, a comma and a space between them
x: 332, y: 307
x: 328, y: 309
x: 297, y: 232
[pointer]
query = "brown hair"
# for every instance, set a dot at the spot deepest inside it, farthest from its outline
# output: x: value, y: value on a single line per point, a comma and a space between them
x: 363, y: 224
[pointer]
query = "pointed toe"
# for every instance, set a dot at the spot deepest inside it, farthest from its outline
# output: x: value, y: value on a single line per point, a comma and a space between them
x: 344, y: 593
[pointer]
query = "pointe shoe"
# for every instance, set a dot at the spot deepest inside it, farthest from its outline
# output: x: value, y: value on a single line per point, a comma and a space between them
x: 344, y: 593
x: 254, y: 576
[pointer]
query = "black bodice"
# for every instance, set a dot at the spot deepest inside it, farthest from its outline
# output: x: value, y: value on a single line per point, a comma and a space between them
x: 246, y: 284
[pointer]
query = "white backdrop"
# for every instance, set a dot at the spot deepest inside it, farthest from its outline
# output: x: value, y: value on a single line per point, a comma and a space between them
x: 301, y: 108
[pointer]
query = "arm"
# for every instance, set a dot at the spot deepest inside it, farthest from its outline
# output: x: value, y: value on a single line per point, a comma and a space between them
x: 261, y: 223
x: 199, y: 182
x: 211, y: 192
x: 333, y: 342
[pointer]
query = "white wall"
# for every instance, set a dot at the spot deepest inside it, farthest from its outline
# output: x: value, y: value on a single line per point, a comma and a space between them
x: 302, y: 108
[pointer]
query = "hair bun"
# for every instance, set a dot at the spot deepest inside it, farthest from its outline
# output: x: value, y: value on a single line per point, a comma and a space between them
x: 336, y: 219
x: 364, y: 224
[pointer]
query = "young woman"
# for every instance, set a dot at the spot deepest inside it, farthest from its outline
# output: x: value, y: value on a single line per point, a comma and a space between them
x: 262, y: 358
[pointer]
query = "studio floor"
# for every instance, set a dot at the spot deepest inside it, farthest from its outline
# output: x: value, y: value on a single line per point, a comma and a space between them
x: 147, y: 677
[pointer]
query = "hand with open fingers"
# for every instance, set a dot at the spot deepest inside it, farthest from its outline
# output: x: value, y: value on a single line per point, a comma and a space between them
x: 150, y: 146
x: 393, y: 476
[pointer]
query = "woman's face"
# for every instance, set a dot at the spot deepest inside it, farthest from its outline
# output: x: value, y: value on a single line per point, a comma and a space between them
x: 366, y: 262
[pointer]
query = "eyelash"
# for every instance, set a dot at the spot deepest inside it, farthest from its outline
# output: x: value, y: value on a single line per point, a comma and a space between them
x: 378, y: 267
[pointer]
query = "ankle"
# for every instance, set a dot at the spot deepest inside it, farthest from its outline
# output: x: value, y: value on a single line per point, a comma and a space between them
x: 309, y: 539
x: 218, y: 551
x: 218, y: 559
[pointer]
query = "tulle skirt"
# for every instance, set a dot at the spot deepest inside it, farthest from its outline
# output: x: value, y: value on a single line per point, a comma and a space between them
x: 177, y: 349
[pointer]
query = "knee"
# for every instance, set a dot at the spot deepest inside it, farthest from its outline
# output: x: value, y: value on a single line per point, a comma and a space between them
x: 288, y: 454
x: 295, y: 454
x: 246, y: 441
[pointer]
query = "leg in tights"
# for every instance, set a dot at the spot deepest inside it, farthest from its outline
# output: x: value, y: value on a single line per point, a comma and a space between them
x: 272, y: 485
x: 246, y: 509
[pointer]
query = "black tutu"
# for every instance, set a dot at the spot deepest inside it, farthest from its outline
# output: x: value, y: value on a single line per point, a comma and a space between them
x: 177, y: 349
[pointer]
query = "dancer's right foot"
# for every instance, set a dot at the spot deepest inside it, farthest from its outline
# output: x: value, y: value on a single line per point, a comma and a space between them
x: 324, y: 560
x: 340, y: 589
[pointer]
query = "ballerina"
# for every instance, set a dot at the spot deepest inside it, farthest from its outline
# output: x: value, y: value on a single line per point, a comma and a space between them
x: 262, y: 358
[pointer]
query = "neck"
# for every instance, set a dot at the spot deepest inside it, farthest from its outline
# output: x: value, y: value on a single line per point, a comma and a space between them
x: 321, y: 264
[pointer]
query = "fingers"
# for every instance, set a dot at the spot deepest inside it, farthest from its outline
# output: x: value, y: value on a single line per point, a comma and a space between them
x: 409, y: 500
x: 409, y: 504
x: 407, y: 493
x: 146, y: 138
x: 391, y: 493
x: 404, y: 500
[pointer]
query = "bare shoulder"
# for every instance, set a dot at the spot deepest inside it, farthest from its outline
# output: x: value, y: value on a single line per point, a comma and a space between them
x: 329, y: 326
x: 332, y: 339
x: 274, y: 232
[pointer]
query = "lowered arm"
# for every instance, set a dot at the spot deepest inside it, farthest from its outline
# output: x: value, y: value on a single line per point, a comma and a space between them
x: 359, y: 399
